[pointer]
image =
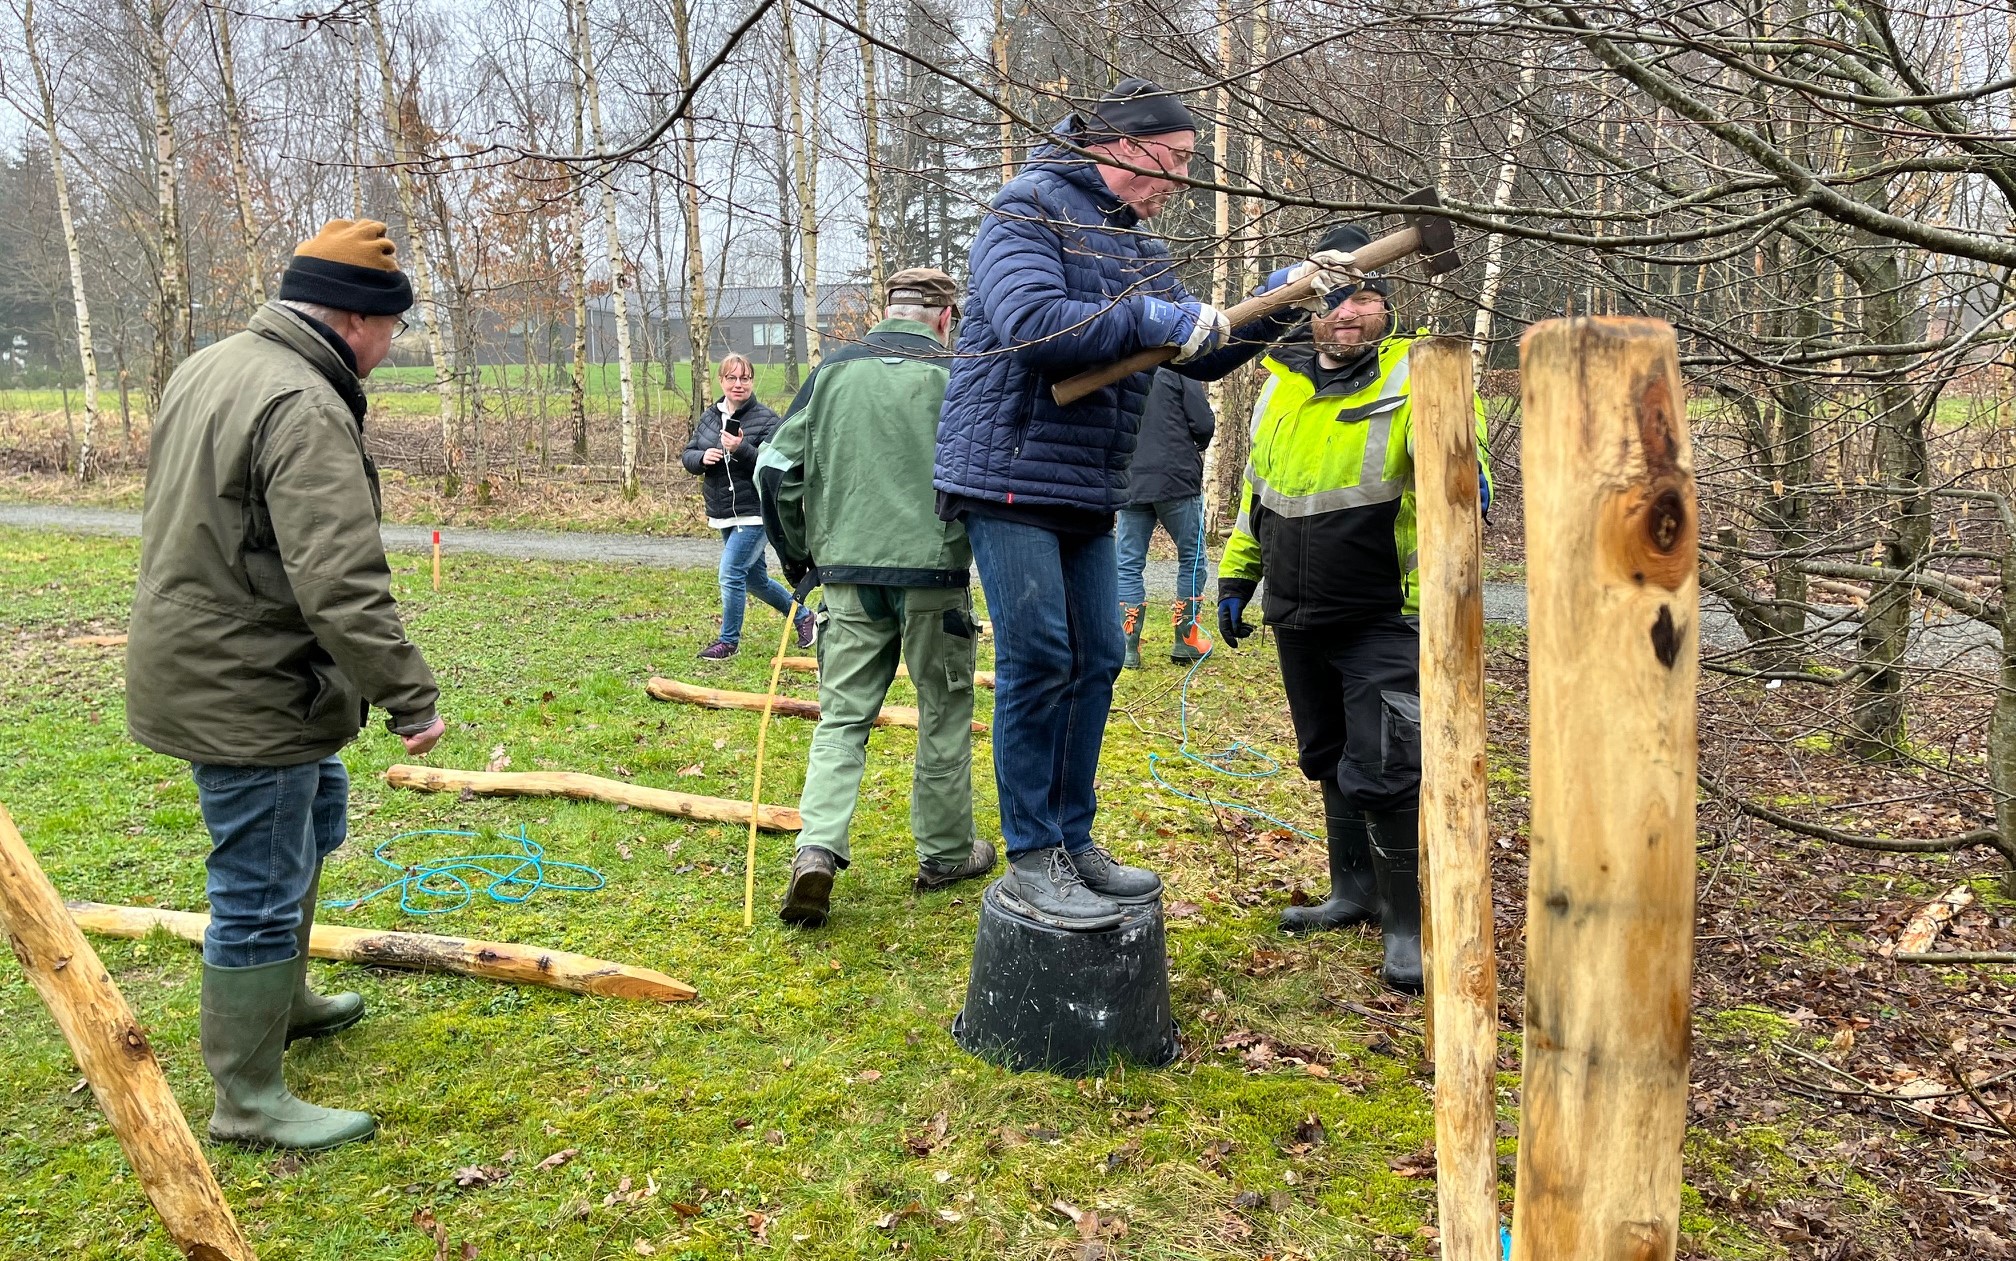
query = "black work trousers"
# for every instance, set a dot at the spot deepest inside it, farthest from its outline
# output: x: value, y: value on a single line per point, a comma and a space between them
x: 1354, y: 691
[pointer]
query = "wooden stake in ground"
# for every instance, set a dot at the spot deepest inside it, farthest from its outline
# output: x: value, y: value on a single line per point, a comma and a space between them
x: 437, y: 560
x: 1455, y: 840
x: 125, y: 1077
x: 1614, y: 598
x: 589, y: 788
x: 761, y: 702
x: 419, y: 952
x: 810, y: 665
x: 756, y: 789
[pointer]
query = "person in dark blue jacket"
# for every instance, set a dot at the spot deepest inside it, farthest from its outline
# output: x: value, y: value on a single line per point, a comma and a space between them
x: 1063, y: 277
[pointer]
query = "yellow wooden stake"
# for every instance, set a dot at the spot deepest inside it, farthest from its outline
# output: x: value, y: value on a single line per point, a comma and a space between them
x: 756, y: 789
x: 1614, y: 604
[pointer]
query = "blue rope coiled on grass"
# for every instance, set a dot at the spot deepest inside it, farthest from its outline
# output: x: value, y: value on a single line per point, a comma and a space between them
x: 516, y: 884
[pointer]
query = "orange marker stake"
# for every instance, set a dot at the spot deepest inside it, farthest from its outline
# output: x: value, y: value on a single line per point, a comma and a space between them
x: 437, y: 560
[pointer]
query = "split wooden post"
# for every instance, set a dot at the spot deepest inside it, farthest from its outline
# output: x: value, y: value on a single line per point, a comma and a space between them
x: 1455, y: 834
x: 665, y: 689
x: 125, y: 1077
x: 1614, y: 610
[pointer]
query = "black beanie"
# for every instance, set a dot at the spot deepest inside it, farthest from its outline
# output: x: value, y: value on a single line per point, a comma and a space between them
x: 349, y: 265
x: 1349, y: 238
x: 1136, y: 107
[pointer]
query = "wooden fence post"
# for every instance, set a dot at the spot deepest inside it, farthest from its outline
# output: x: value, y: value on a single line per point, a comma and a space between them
x: 1614, y: 609
x: 1455, y: 833
x: 116, y: 1059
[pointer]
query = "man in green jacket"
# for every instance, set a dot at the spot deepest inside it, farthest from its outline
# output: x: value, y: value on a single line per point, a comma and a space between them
x: 847, y: 501
x: 263, y: 630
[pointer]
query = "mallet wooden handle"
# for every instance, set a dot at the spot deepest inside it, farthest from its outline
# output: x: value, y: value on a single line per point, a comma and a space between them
x: 1376, y: 254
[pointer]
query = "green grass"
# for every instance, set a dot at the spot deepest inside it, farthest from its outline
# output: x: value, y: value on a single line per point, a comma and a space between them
x: 752, y: 1100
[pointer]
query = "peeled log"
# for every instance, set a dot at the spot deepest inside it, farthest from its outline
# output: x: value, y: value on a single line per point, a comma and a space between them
x: 589, y: 788
x: 125, y: 1077
x: 810, y: 665
x: 1614, y: 608
x: 420, y: 952
x: 790, y: 706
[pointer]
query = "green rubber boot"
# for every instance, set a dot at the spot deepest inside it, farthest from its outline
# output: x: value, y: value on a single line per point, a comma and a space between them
x: 1190, y: 643
x: 244, y: 1036
x: 1130, y: 626
x: 317, y: 1015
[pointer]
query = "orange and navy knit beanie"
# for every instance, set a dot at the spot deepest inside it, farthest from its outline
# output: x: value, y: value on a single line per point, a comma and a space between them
x: 348, y: 265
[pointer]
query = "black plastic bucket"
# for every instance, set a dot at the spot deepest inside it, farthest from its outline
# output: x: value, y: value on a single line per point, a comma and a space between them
x: 1046, y: 998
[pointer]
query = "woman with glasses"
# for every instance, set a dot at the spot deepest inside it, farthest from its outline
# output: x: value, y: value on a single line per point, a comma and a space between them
x: 723, y: 455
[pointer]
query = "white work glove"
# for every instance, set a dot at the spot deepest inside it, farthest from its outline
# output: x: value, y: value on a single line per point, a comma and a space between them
x: 1328, y: 270
x: 1210, y: 332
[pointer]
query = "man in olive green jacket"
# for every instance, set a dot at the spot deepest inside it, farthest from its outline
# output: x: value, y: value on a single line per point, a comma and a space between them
x: 263, y: 630
x: 847, y: 499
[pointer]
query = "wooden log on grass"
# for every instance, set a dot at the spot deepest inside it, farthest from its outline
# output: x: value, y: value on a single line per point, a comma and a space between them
x: 1614, y: 604
x: 717, y: 698
x: 420, y: 952
x: 810, y: 665
x: 116, y: 1059
x: 580, y: 787
x: 1455, y: 830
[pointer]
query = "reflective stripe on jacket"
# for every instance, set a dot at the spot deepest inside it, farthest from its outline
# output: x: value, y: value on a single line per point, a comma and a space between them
x: 1326, y: 514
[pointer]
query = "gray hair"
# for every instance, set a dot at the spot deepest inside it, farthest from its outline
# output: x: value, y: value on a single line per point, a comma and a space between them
x: 912, y: 311
x: 314, y: 310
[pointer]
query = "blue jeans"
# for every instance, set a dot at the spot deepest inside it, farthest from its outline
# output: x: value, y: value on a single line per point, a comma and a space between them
x: 1183, y: 519
x: 743, y: 573
x: 269, y: 826
x: 1057, y: 650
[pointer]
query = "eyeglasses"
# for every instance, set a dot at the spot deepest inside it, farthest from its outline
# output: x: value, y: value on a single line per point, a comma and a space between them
x: 399, y: 330
x: 742, y: 376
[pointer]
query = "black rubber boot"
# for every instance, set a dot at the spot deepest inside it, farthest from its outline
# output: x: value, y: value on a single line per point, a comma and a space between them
x: 317, y: 1015
x: 1396, y: 861
x: 1354, y: 893
x: 809, y: 898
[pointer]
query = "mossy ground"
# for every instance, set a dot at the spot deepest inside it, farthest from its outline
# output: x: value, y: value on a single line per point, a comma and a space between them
x: 795, y: 1109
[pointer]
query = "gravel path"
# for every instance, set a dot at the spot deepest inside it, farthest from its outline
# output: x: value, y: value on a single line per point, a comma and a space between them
x: 1966, y: 645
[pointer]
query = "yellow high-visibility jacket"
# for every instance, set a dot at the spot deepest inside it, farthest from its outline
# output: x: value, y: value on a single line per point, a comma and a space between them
x: 1326, y: 514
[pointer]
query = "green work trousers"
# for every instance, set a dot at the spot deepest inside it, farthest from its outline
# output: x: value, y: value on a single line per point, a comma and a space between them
x: 865, y: 630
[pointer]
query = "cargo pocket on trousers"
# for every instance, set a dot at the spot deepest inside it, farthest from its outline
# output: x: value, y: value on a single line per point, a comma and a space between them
x: 1400, y: 733
x: 958, y: 625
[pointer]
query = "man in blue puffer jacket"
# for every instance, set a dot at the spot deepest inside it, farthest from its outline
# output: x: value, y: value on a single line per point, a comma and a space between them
x: 1064, y: 278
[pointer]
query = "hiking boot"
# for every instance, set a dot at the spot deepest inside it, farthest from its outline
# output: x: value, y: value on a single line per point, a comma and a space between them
x: 808, y: 628
x: 719, y: 650
x: 1191, y: 643
x: 1130, y: 626
x: 316, y: 1015
x: 244, y: 1033
x: 1044, y: 886
x: 932, y: 874
x: 1396, y: 863
x: 1354, y: 893
x: 809, y: 897
x: 1104, y: 876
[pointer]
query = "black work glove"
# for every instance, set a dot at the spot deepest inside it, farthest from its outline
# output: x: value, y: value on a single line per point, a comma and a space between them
x: 803, y: 578
x: 1233, y: 595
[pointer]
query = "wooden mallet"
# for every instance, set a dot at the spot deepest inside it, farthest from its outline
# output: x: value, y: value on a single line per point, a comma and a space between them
x: 1428, y: 235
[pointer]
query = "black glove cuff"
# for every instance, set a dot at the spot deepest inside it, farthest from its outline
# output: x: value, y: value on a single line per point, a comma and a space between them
x: 1237, y: 589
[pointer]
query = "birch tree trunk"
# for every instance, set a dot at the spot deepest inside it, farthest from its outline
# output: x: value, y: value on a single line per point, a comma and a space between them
x: 1007, y: 125
x: 699, y: 322
x: 234, y: 134
x: 871, y: 127
x: 1494, y: 246
x: 417, y: 268
x: 1233, y: 441
x: 1221, y: 263
x: 619, y: 272
x: 45, y: 93
x: 805, y: 167
x: 172, y: 331
x: 577, y: 256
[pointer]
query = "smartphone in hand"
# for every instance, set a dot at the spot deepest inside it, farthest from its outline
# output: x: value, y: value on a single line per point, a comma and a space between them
x: 732, y: 425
